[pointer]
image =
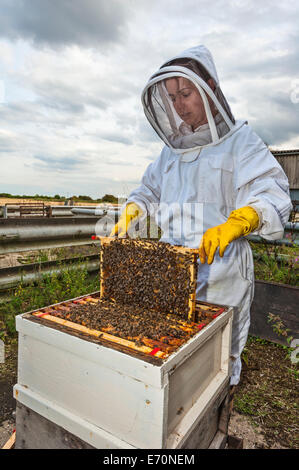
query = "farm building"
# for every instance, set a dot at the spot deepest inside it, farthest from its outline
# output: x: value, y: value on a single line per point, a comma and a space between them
x: 289, y: 160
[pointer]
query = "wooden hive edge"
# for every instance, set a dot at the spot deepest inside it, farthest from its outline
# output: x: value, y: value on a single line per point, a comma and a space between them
x: 192, y: 297
x: 99, y: 334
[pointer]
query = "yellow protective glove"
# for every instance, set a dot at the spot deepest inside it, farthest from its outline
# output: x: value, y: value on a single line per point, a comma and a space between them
x: 130, y: 213
x: 240, y: 222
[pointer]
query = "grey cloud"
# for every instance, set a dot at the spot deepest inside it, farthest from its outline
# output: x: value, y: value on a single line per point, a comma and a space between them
x: 259, y: 70
x: 261, y: 66
x: 30, y: 114
x: 135, y: 182
x: 119, y: 163
x: 25, y: 188
x: 151, y: 157
x: 240, y: 15
x: 67, y: 100
x: 270, y: 112
x: 258, y: 15
x: 7, y: 144
x: 276, y: 117
x: 146, y: 133
x: 66, y: 97
x: 20, y: 112
x: 238, y: 57
x: 52, y: 163
x: 64, y: 105
x: 114, y: 137
x: 56, y: 22
x: 94, y: 186
x: 97, y: 186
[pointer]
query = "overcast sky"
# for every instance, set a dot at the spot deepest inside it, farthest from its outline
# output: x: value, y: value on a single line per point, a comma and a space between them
x: 72, y: 73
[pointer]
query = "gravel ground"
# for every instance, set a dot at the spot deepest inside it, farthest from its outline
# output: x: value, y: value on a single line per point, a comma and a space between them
x: 6, y: 430
x: 256, y: 433
x: 239, y: 426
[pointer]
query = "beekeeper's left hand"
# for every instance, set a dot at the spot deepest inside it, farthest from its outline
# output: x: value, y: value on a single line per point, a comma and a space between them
x: 240, y: 222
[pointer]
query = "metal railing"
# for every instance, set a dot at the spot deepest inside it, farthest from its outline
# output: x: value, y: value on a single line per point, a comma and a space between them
x: 13, y: 210
x: 37, y: 234
x: 10, y: 277
x: 17, y: 235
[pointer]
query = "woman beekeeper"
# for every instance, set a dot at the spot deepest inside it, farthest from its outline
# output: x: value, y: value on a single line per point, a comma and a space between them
x: 214, y: 182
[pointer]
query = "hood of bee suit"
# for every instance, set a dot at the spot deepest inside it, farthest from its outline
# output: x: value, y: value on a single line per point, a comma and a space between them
x: 184, y: 103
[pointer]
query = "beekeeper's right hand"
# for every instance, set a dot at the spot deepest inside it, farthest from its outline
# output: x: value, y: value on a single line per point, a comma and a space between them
x: 240, y: 223
x: 129, y: 214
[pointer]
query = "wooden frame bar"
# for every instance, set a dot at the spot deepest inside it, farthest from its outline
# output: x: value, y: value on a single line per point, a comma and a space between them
x: 100, y: 334
x: 11, y: 441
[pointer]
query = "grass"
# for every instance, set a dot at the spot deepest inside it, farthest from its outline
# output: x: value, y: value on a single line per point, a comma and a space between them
x: 268, y: 392
x: 245, y: 404
x: 57, y: 254
x: 49, y: 289
x: 276, y: 263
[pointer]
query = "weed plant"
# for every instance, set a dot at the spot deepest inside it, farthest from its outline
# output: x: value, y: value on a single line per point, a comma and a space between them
x: 276, y: 263
x: 268, y: 391
x: 69, y: 283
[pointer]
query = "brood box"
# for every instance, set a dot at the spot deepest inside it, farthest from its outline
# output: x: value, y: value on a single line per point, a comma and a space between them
x: 113, y: 396
x: 112, y: 389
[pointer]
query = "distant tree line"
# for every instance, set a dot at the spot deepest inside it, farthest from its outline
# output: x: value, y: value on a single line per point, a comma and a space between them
x: 81, y: 198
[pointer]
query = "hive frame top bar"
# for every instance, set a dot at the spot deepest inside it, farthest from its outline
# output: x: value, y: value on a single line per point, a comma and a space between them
x: 144, y: 242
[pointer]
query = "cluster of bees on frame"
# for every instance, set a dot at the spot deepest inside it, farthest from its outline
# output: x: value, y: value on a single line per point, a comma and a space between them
x: 146, y: 289
x: 150, y: 275
x: 129, y: 322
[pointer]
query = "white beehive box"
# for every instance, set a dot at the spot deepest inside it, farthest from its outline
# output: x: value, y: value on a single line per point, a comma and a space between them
x: 110, y: 399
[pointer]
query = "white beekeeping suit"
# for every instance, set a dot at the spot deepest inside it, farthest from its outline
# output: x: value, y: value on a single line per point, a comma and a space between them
x: 210, y: 166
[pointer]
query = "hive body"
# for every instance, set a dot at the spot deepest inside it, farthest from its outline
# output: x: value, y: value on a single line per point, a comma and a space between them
x: 112, y: 399
x: 143, y: 382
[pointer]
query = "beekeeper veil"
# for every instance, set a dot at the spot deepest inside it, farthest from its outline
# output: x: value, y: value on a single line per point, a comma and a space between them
x: 184, y: 103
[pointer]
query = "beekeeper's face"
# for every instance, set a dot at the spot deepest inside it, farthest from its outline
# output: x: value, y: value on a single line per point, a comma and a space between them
x: 187, y: 101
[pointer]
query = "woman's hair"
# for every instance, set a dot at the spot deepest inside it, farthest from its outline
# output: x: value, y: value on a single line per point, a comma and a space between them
x: 191, y: 65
